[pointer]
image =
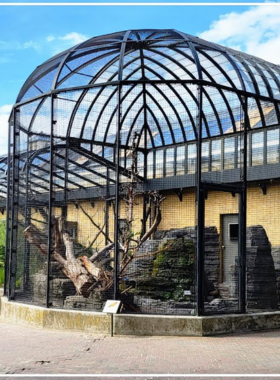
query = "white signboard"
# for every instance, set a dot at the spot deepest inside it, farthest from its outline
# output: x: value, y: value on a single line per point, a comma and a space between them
x: 111, y: 306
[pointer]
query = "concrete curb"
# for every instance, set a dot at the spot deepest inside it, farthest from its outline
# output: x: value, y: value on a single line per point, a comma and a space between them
x: 136, y: 324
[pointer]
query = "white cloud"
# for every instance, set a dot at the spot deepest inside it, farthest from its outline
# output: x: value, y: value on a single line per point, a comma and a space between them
x: 74, y: 38
x: 60, y: 43
x: 255, y: 31
x: 16, y: 45
x: 30, y: 44
x: 4, y: 117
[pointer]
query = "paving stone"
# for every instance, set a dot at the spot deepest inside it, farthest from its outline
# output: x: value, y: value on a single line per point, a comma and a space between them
x: 29, y: 351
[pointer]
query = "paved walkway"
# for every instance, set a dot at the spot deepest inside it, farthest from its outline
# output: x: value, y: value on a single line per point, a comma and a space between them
x: 28, y: 350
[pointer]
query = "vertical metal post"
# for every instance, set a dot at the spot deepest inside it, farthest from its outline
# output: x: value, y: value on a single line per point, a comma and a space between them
x: 66, y: 163
x: 50, y: 205
x: 117, y: 162
x: 200, y: 213
x: 117, y: 199
x: 243, y: 220
x: 27, y: 217
x: 145, y: 173
x: 107, y: 208
x: 8, y: 222
x: 13, y: 234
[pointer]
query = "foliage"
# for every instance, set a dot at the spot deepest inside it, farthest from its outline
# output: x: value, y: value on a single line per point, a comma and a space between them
x: 2, y: 276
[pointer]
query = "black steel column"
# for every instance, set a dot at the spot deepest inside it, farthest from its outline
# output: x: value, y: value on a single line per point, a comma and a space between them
x: 145, y: 173
x: 200, y: 213
x: 117, y: 199
x: 66, y: 170
x: 27, y: 217
x: 8, y: 221
x: 14, y: 209
x: 117, y: 163
x: 50, y: 225
x: 107, y: 204
x: 243, y: 219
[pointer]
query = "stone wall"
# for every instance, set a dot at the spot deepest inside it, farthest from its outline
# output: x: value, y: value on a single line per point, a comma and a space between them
x: 261, y: 276
x: 275, y: 252
x: 165, y: 283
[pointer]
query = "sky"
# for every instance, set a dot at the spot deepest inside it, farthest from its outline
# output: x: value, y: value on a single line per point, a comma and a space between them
x: 29, y: 35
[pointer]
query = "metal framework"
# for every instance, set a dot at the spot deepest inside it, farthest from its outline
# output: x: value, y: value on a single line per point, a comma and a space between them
x: 77, y: 115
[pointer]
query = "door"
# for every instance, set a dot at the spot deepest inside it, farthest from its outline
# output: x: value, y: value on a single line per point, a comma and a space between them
x: 230, y: 253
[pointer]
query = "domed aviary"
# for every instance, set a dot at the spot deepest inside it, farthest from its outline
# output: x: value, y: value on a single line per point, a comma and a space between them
x: 128, y: 146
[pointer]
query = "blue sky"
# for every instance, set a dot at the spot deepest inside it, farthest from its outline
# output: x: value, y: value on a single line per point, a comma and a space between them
x: 29, y: 35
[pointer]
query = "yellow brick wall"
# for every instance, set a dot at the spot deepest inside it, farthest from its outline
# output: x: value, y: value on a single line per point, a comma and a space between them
x: 261, y: 209
x: 265, y: 210
x: 176, y: 214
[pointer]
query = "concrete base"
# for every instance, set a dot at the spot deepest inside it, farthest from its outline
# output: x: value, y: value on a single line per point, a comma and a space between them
x: 135, y: 324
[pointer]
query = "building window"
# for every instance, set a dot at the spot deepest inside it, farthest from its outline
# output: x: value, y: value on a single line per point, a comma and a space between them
x: 233, y: 231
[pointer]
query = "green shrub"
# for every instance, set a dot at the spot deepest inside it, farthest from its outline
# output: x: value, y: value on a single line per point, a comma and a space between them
x: 2, y: 276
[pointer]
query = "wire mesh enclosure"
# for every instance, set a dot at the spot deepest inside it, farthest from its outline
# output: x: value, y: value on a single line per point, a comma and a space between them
x: 144, y: 166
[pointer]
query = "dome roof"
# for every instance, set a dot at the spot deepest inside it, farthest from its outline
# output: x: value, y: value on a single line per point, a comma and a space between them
x: 154, y: 55
x: 159, y: 71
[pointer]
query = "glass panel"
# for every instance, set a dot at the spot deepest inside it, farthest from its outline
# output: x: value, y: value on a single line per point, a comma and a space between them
x: 180, y: 69
x: 140, y: 163
x: 229, y: 153
x: 180, y: 162
x: 150, y: 60
x: 234, y: 103
x: 257, y: 148
x: 259, y: 79
x: 170, y: 162
x: 269, y: 113
x: 273, y: 146
x: 226, y: 65
x: 150, y: 165
x: 247, y: 79
x: 216, y: 155
x: 64, y: 106
x: 189, y: 62
x: 221, y: 109
x: 254, y: 114
x: 26, y: 113
x: 159, y: 163
x: 191, y: 158
x: 271, y: 81
x: 205, y: 157
x: 210, y: 117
